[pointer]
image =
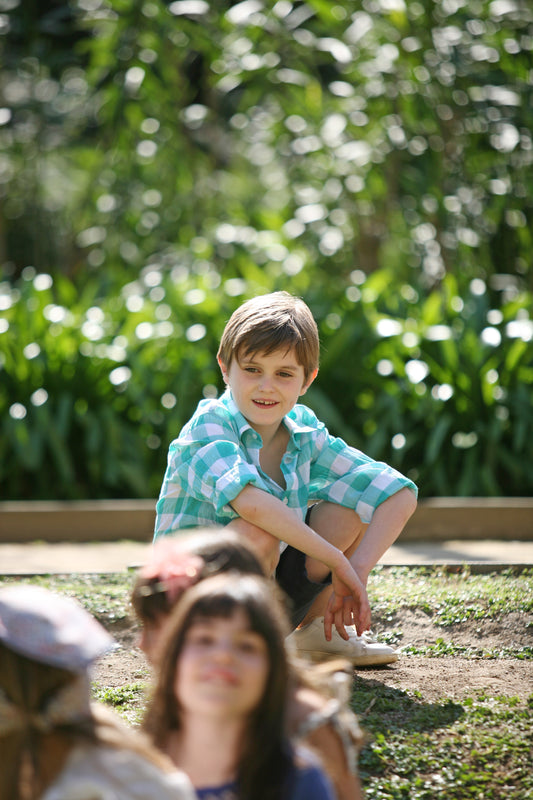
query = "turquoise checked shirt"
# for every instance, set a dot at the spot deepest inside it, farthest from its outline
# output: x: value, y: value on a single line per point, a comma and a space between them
x: 217, y: 454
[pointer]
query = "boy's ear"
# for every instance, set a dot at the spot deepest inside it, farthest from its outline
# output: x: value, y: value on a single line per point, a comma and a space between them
x: 309, y: 381
x: 223, y: 369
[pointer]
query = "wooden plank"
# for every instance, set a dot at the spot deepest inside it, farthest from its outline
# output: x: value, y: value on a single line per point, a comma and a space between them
x: 436, y: 519
x: 445, y: 518
x: 77, y: 521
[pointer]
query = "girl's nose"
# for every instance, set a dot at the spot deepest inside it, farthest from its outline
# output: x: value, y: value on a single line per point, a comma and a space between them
x: 223, y: 651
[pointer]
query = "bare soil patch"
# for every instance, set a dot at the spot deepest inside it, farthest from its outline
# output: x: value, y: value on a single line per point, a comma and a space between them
x: 432, y: 679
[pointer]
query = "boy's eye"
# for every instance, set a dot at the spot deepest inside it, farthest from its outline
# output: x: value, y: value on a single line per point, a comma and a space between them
x: 285, y: 374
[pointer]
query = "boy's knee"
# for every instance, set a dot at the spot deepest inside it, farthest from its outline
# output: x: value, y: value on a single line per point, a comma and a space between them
x: 265, y: 546
x: 337, y: 524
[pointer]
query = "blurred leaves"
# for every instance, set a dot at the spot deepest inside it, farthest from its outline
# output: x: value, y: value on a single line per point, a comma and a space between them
x: 161, y: 161
x: 91, y: 395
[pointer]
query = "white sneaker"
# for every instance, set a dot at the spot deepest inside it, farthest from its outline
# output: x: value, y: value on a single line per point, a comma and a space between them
x: 363, y: 651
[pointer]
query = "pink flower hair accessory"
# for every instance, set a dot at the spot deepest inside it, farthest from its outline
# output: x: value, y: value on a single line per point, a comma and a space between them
x: 171, y: 568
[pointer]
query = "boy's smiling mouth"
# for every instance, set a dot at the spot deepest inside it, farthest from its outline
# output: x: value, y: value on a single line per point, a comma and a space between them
x: 267, y: 403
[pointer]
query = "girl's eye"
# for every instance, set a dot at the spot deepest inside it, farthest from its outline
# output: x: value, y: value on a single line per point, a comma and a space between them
x: 250, y: 646
x: 199, y: 638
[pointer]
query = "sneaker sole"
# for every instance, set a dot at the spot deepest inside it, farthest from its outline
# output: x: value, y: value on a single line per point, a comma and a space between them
x: 358, y: 661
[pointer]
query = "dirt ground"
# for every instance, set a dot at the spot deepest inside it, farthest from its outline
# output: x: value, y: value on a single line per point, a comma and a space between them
x: 433, y: 679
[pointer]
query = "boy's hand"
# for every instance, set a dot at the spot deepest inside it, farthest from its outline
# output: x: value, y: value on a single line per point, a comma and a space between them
x: 348, y: 604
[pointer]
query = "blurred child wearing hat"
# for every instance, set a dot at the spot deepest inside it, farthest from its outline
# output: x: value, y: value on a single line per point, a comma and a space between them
x: 57, y: 744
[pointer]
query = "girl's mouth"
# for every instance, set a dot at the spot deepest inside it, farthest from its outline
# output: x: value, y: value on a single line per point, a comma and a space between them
x: 222, y: 676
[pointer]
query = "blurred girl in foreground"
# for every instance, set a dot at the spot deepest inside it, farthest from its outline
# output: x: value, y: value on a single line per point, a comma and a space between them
x: 219, y: 704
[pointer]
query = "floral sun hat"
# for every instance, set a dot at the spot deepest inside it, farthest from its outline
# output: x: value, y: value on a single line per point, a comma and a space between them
x: 50, y: 628
x: 172, y: 568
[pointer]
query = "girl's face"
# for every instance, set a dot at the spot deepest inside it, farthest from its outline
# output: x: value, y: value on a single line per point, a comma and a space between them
x: 222, y: 669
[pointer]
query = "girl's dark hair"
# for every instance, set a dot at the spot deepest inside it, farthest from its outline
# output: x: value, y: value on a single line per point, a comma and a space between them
x: 220, y: 550
x: 263, y: 765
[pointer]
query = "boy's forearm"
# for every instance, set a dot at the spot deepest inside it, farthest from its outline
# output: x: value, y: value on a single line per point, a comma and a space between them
x: 386, y: 525
x: 269, y: 513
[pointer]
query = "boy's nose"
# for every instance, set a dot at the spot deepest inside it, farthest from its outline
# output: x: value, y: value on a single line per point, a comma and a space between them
x: 265, y: 383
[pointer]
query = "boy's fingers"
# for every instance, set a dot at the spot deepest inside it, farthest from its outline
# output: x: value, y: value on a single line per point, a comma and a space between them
x: 334, y: 614
x: 363, y: 618
x: 348, y: 605
x: 339, y: 624
x: 328, y: 619
x: 350, y: 614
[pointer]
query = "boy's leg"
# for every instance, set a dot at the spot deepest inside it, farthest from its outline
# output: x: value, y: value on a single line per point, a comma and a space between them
x: 307, y: 581
x: 264, y: 545
x: 344, y: 529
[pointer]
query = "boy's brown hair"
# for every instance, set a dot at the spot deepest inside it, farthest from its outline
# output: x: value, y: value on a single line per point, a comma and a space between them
x: 271, y: 322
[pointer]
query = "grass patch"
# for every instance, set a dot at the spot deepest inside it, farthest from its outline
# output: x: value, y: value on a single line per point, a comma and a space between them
x: 106, y: 597
x: 441, y: 648
x: 449, y: 598
x: 478, y: 749
x: 128, y: 701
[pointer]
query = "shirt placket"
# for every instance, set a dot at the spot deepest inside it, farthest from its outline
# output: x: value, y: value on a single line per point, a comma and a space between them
x: 252, y: 443
x: 291, y: 495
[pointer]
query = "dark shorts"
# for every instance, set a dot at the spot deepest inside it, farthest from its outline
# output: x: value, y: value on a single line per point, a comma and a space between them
x: 291, y: 576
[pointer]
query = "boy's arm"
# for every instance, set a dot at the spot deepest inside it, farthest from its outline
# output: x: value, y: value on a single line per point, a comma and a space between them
x: 269, y: 513
x: 386, y: 524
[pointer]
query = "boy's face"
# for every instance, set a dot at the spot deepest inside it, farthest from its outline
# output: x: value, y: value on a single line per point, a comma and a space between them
x: 266, y: 387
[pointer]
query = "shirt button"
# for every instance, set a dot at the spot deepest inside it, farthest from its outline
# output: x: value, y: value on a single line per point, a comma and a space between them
x: 285, y: 500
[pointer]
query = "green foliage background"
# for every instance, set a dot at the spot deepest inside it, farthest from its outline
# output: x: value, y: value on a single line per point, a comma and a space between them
x: 160, y: 162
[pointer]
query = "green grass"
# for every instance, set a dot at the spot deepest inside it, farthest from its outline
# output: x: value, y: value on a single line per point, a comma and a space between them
x: 128, y: 700
x: 442, y: 648
x: 106, y: 596
x: 450, y: 597
x: 479, y: 747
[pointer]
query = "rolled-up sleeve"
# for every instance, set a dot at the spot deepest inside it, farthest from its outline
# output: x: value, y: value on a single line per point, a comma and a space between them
x: 215, y: 470
x: 207, y: 468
